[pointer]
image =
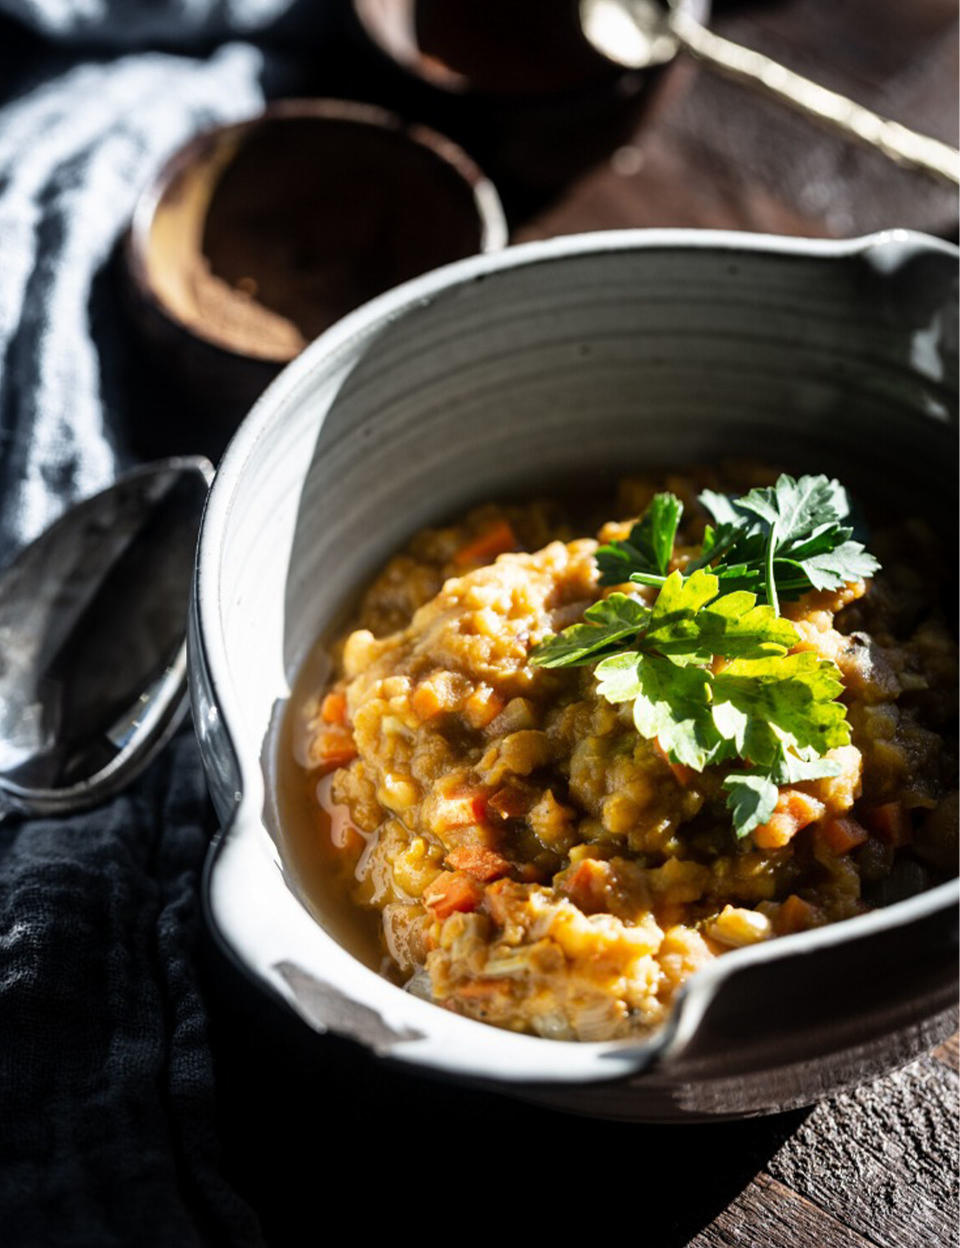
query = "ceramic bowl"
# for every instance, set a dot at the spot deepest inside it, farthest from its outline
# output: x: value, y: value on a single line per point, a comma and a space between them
x: 574, y: 360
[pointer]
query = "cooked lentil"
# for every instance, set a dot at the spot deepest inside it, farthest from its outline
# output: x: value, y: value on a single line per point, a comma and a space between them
x: 535, y: 863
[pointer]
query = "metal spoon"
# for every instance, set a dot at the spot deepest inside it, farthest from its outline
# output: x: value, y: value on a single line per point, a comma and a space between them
x: 642, y: 33
x: 93, y: 640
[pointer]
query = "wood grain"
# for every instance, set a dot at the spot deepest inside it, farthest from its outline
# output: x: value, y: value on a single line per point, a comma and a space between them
x: 876, y: 1166
x: 770, y: 1214
x: 882, y: 1158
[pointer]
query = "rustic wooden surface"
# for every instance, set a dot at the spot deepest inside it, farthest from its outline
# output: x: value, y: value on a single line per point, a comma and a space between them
x: 874, y: 1167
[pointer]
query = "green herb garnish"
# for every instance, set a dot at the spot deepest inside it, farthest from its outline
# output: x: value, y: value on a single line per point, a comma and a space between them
x: 776, y: 711
x: 610, y: 621
x: 753, y: 793
x: 792, y: 539
x: 649, y: 546
x: 778, y: 542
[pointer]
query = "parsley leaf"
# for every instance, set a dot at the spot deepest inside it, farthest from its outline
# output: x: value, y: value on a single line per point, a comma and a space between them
x: 752, y: 798
x: 785, y: 539
x: 754, y: 709
x: 752, y: 795
x: 648, y: 547
x: 791, y: 769
x: 765, y: 706
x: 690, y: 624
x: 617, y: 678
x: 835, y: 568
x: 796, y: 508
x: 716, y: 542
x: 670, y: 703
x: 610, y: 621
x: 722, y: 509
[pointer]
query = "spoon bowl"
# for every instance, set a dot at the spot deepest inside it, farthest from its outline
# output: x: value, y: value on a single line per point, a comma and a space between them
x: 92, y: 640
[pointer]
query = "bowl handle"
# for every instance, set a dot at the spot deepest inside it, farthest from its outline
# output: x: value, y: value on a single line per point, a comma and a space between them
x: 893, y: 972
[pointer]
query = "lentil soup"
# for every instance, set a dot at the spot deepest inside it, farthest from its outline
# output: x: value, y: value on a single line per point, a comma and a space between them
x: 498, y: 836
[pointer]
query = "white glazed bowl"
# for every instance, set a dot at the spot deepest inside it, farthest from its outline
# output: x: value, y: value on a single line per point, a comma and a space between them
x: 573, y: 359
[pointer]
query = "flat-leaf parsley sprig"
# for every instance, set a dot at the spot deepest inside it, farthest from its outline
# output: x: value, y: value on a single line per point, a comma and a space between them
x: 778, y: 542
x: 776, y: 711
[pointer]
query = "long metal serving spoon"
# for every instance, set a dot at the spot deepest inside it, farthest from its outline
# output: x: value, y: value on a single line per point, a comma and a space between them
x: 93, y: 619
x: 642, y: 33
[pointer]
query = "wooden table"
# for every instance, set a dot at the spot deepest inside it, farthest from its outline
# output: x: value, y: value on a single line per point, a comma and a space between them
x: 876, y: 1166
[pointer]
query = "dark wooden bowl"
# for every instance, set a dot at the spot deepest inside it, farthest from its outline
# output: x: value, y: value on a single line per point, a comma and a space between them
x: 491, y: 47
x: 309, y: 209
x: 515, y: 81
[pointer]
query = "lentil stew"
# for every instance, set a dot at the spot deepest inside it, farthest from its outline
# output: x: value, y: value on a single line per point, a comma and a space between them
x: 513, y: 849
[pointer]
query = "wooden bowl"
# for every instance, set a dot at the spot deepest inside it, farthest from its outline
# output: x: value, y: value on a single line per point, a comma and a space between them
x: 515, y: 81
x: 495, y: 47
x: 255, y: 237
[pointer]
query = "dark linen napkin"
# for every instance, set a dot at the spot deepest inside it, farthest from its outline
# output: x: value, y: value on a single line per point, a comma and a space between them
x: 107, y: 1132
x: 106, y: 1085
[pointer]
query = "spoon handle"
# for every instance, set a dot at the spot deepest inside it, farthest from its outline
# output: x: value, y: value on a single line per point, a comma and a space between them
x: 905, y: 146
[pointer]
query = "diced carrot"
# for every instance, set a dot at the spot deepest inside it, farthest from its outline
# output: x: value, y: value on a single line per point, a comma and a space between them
x: 683, y: 775
x: 452, y: 891
x: 794, y: 811
x: 510, y: 802
x: 480, y: 863
x: 332, y: 747
x: 891, y: 823
x: 463, y: 808
x: 493, y: 541
x: 479, y: 988
x: 586, y: 883
x: 779, y: 830
x: 842, y: 835
x: 482, y: 706
x: 426, y: 702
x: 333, y: 709
x: 795, y: 915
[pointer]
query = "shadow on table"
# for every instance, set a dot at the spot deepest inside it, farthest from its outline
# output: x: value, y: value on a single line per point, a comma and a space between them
x: 310, y: 1125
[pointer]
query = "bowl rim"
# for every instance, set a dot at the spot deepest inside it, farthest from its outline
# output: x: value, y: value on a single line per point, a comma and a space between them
x: 135, y: 249
x: 571, y: 1061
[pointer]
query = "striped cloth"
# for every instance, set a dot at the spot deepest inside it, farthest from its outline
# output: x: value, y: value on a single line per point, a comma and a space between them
x: 74, y: 152
x: 134, y: 23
